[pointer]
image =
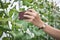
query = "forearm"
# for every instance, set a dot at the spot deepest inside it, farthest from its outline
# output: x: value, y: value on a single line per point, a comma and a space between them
x: 52, y: 31
x: 35, y: 19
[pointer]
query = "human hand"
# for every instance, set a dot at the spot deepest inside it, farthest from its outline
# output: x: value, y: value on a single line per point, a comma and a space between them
x: 33, y: 17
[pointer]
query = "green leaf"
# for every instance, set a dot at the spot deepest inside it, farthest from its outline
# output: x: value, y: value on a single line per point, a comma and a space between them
x: 28, y: 0
x: 6, y: 38
x: 1, y: 32
x: 26, y: 3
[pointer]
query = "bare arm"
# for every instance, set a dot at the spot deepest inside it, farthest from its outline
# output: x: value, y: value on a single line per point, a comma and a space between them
x: 36, y: 20
x: 52, y: 31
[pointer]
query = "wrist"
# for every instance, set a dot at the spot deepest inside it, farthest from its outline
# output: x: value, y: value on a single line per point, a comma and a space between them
x: 42, y: 25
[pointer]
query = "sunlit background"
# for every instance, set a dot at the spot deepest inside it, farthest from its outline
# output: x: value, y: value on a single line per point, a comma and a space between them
x: 58, y: 2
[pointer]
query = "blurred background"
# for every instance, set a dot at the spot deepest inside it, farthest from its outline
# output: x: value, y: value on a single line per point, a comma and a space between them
x: 11, y: 28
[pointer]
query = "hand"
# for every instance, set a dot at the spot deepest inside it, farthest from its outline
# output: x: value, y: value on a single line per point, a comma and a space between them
x: 33, y: 17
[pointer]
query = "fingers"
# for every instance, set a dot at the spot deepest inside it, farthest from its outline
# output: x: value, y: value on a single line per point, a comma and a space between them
x: 29, y: 17
x: 30, y: 13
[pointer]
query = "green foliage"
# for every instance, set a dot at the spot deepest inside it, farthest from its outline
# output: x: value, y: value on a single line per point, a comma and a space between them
x: 21, y: 30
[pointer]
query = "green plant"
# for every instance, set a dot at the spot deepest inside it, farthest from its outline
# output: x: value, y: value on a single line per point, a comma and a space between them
x: 16, y: 29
